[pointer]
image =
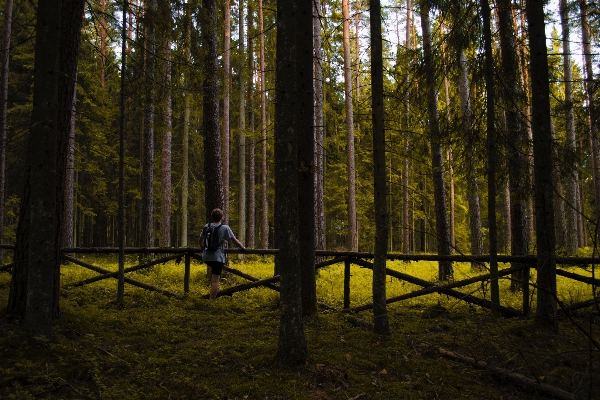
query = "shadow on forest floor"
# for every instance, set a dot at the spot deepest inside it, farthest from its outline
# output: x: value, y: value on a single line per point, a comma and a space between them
x: 165, y: 348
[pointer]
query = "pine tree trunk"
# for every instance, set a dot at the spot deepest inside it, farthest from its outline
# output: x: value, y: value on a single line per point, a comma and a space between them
x: 147, y: 226
x: 242, y: 131
x: 441, y: 209
x: 352, y: 229
x: 570, y: 140
x: 291, y: 110
x: 186, y: 129
x: 264, y: 220
x: 213, y: 167
x: 380, y: 317
x: 3, y: 120
x: 252, y: 142
x: 319, y: 130
x: 405, y: 178
x: 545, y: 315
x: 226, y: 99
x: 165, y: 209
x: 514, y: 102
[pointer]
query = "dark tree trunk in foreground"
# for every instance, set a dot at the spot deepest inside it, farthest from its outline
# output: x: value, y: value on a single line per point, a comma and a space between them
x: 43, y: 251
x: 213, y: 197
x: 3, y: 120
x: 439, y: 190
x: 264, y: 216
x: 294, y: 105
x: 380, y: 317
x: 242, y: 131
x: 545, y: 315
x: 226, y: 100
x: 252, y: 142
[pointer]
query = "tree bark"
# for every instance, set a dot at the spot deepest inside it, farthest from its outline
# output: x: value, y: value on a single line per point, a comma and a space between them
x: 380, y: 317
x: 571, y: 210
x: 291, y: 110
x: 242, y: 131
x: 441, y: 210
x: 545, y: 315
x: 264, y: 220
x: 213, y: 167
x: 226, y: 99
x: 252, y: 140
x: 186, y: 127
x: 165, y: 209
x: 319, y: 130
x: 405, y: 178
x: 147, y: 226
x: 352, y: 228
x: 3, y: 108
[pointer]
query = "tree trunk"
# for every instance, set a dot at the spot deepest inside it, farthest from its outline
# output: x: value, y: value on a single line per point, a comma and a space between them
x: 319, y: 130
x: 514, y: 102
x: 186, y: 127
x: 491, y: 151
x: 380, y: 317
x: 165, y: 209
x: 242, y: 132
x: 545, y: 315
x: 3, y: 120
x: 213, y: 167
x: 475, y: 231
x: 264, y: 220
x: 441, y: 210
x: 252, y: 141
x: 292, y: 109
x: 147, y: 226
x: 352, y: 229
x: 571, y: 210
x: 226, y: 96
x: 405, y: 179
x: 591, y: 88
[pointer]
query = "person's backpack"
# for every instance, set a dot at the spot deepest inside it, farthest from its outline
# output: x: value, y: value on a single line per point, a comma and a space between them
x: 211, y: 242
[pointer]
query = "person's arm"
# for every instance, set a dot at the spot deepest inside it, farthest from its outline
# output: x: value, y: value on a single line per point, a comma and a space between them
x: 238, y: 243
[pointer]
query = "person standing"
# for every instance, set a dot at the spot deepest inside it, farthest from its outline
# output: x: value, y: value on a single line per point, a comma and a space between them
x: 216, y: 259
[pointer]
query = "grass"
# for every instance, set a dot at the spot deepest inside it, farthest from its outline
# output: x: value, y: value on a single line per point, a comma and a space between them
x: 158, y: 347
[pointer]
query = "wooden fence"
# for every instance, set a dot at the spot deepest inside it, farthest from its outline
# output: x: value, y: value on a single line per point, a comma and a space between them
x: 336, y: 257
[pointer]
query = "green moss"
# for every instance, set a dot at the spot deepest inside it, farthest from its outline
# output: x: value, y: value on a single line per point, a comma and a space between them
x: 158, y: 347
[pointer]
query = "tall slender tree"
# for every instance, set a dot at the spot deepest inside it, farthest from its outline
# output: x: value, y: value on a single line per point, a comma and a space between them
x: 226, y: 100
x: 406, y: 124
x: 213, y: 167
x: 186, y: 124
x: 264, y: 219
x: 351, y: 173
x: 441, y: 209
x: 380, y: 318
x: 319, y: 130
x: 251, y: 137
x: 242, y: 128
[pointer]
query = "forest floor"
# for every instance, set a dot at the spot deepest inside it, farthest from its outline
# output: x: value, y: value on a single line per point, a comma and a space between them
x: 159, y: 347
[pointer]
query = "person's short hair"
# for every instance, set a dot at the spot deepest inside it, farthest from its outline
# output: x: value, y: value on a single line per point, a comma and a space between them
x: 216, y: 214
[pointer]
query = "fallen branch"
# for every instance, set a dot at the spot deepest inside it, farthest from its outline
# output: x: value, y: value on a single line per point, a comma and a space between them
x: 6, y: 267
x: 519, y: 379
x: 128, y: 280
x: 246, y: 286
x: 577, y: 277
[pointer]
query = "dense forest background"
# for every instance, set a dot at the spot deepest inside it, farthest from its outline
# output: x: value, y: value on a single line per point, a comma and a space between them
x: 164, y: 90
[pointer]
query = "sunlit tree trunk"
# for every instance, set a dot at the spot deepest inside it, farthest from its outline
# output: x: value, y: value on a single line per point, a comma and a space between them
x: 571, y: 209
x: 380, y: 317
x: 405, y: 178
x: 242, y: 130
x: 352, y: 228
x: 264, y: 220
x: 319, y: 131
x: 441, y: 209
x: 213, y: 167
x: 252, y: 141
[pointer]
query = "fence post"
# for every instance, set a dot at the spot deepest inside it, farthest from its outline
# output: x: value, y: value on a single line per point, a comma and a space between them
x: 186, y: 274
x: 347, y: 283
x: 525, y: 275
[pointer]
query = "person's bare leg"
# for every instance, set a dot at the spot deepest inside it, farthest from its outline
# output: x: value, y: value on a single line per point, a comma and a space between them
x: 214, y: 286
